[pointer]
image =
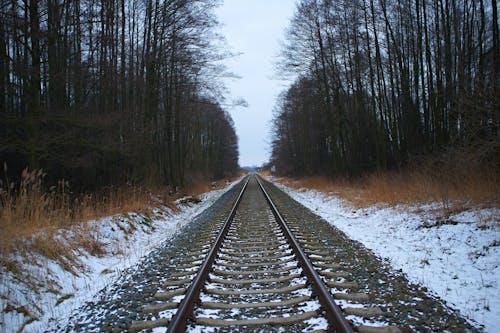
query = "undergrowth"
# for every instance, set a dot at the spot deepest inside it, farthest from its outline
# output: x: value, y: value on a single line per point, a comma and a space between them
x: 456, y: 180
x: 51, y: 221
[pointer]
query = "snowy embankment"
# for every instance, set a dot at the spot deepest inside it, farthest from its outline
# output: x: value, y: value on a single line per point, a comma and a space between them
x: 129, y: 237
x: 457, y: 258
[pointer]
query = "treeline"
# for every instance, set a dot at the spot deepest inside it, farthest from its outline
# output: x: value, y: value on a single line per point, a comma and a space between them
x: 380, y: 81
x: 102, y: 92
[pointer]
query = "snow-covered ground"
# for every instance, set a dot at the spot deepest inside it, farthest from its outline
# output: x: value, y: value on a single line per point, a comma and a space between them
x: 457, y: 259
x: 129, y: 237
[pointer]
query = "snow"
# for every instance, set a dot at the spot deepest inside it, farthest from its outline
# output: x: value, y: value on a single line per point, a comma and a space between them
x: 125, y: 250
x: 310, y: 306
x: 359, y: 321
x: 316, y: 324
x: 458, y: 260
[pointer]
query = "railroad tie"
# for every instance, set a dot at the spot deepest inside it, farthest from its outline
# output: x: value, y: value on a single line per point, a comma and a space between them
x: 255, y: 272
x: 259, y: 321
x: 354, y: 297
x: 265, y: 263
x: 138, y: 326
x: 378, y: 329
x: 288, y: 302
x: 251, y: 281
x: 283, y: 290
x: 334, y: 274
x: 176, y: 283
x: 155, y: 308
x: 364, y: 312
x: 166, y: 295
x: 342, y: 285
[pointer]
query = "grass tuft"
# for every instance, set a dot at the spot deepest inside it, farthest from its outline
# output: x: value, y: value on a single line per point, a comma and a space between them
x: 63, y: 298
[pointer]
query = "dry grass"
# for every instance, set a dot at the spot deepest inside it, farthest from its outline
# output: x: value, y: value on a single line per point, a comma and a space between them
x: 455, y: 186
x: 197, y: 184
x: 265, y: 173
x: 349, y: 190
x: 116, y: 200
x: 32, y: 217
x: 469, y: 187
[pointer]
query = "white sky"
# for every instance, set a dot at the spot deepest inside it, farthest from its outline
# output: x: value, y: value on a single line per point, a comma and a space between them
x: 254, y: 28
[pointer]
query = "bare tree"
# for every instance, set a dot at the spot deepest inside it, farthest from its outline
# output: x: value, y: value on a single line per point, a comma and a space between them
x: 103, y: 92
x: 394, y: 78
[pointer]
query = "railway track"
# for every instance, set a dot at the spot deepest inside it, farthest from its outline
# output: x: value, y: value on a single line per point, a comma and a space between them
x: 251, y: 278
x: 254, y: 271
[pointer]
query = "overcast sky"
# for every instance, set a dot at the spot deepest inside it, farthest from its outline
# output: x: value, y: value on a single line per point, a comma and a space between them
x: 254, y: 28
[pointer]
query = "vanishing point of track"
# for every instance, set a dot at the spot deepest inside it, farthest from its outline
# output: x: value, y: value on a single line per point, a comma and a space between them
x: 254, y: 271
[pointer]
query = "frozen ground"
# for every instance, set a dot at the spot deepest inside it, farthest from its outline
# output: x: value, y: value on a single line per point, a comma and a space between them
x: 129, y: 237
x: 456, y: 258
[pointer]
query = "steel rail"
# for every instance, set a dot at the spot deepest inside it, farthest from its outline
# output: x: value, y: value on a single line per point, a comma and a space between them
x: 335, y: 316
x: 185, y: 309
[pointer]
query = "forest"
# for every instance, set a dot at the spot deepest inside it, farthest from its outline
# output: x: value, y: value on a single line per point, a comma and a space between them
x: 111, y: 92
x: 381, y: 83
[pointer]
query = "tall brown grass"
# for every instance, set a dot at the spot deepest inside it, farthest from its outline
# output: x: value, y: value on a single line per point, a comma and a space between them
x: 32, y: 217
x: 457, y: 181
x: 197, y: 184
